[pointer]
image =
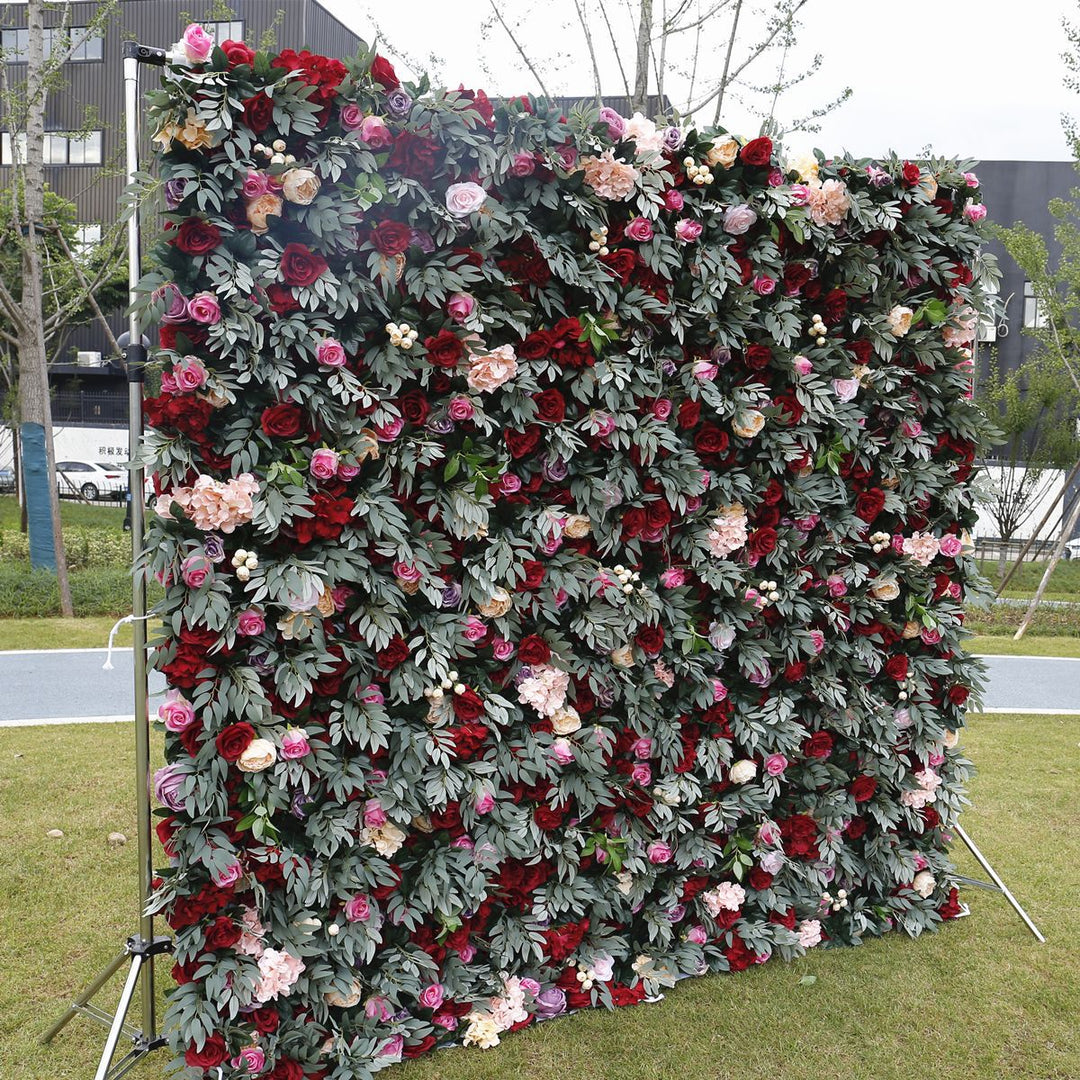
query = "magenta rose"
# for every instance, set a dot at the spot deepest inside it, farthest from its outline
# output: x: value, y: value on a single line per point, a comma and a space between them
x: 294, y: 744
x: 461, y: 408
x: 358, y: 909
x: 659, y: 852
x: 352, y: 117
x: 324, y: 464
x: 431, y: 997
x: 204, y: 308
x: 250, y: 623
x: 196, y: 570
x: 460, y: 306
x: 330, y: 353
x: 640, y: 229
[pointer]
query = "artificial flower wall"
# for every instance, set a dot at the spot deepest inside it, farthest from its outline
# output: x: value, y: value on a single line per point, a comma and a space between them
x: 562, y: 523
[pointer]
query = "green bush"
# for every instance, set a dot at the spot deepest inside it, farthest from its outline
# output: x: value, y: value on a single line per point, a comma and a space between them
x: 88, y: 547
x: 26, y: 593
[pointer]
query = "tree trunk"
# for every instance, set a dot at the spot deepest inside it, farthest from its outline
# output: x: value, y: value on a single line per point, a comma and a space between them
x: 640, y: 100
x: 35, y: 409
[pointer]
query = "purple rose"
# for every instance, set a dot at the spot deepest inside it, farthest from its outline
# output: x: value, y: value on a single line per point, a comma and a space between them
x: 174, y: 193
x: 440, y: 424
x: 673, y: 138
x: 617, y: 129
x: 555, y: 470
x: 422, y: 239
x: 167, y: 783
x: 176, y: 309
x: 214, y: 547
x: 550, y: 1002
x: 451, y: 596
x: 398, y: 103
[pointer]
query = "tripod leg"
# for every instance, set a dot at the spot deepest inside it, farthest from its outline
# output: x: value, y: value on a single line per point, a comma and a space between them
x: 85, y: 996
x: 122, y: 1006
x: 985, y: 864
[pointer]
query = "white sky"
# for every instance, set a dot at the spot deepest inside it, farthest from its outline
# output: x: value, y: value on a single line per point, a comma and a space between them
x: 982, y: 79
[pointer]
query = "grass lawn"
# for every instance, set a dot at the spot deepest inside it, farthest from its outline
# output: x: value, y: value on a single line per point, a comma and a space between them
x: 72, y: 512
x: 1064, y: 584
x: 979, y: 1000
x: 87, y: 632
x: 1028, y: 645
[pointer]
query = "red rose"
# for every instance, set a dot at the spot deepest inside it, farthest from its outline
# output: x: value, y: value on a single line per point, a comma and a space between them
x: 856, y: 828
x: 795, y: 671
x: 549, y: 819
x: 862, y: 350
x: 760, y: 880
x: 650, y: 639
x: 863, y: 788
x: 213, y: 1053
x: 415, y: 156
x: 382, y: 72
x: 550, y: 405
x: 869, y: 504
x: 282, y: 301
x: 819, y: 745
x: 689, y: 414
x: 418, y: 1049
x: 258, y: 112
x: 709, y: 439
x: 233, y: 740
x: 197, y: 237
x: 397, y: 652
x: 536, y: 346
x: 265, y: 1019
x: 391, y: 237
x: 301, y: 266
x: 757, y: 152
x: 658, y: 514
x: 621, y: 263
x: 534, y: 650
x: 237, y: 53
x: 468, y: 738
x: 444, y: 349
x: 282, y: 421
x: 468, y: 706
x: 896, y: 667
x: 800, y: 836
x: 911, y: 173
x: 522, y: 443
x: 761, y: 542
x: 758, y: 357
x: 958, y: 695
x: 622, y: 994
x: 739, y: 955
x: 414, y: 407
x: 222, y: 933
x: 835, y: 306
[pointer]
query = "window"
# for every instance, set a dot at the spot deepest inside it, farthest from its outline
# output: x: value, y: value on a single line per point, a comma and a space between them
x: 87, y: 237
x: 85, y: 150
x: 16, y: 43
x: 1034, y: 308
x: 7, y: 156
x: 225, y: 31
x: 59, y: 149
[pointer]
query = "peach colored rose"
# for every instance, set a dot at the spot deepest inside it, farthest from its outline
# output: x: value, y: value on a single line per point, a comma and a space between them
x: 723, y: 153
x: 748, y: 424
x: 258, y: 210
x: 488, y: 371
x: 260, y: 754
x: 300, y: 186
x: 828, y: 201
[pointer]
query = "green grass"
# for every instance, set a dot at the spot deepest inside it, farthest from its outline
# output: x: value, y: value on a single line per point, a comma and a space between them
x: 72, y: 512
x: 1064, y: 583
x: 90, y: 632
x: 1028, y: 645
x: 978, y: 1001
x: 1001, y: 621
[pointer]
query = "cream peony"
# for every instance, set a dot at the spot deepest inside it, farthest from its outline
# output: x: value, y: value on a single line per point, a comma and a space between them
x: 723, y: 153
x: 576, y: 526
x: 260, y: 754
x: 300, y: 186
x: 742, y: 772
x: 610, y: 177
x: 258, y: 210
x: 623, y: 656
x: 565, y: 721
x: 348, y: 1000
x: 924, y: 884
x: 499, y: 604
x: 748, y: 424
x: 829, y: 202
x: 885, y: 590
x: 898, y: 321
x: 482, y: 1031
x: 488, y: 371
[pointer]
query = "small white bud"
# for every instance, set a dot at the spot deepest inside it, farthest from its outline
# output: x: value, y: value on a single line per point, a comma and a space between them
x: 333, y: 929
x: 459, y: 688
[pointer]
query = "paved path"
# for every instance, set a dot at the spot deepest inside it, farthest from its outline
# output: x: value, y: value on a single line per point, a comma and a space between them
x: 69, y: 686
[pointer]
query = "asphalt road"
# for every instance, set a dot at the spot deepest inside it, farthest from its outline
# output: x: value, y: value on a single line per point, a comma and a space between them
x: 70, y: 684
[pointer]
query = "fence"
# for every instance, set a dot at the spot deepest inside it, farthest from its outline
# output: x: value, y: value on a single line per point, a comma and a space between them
x: 89, y: 407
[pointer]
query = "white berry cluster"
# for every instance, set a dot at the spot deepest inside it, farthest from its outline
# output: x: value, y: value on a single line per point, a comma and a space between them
x: 275, y: 152
x: 699, y: 174
x: 630, y: 580
x: 907, y: 688
x: 598, y: 241
x: 769, y: 590
x: 401, y: 334
x: 435, y: 693
x: 244, y: 562
x: 837, y: 902
x: 818, y: 330
x: 879, y: 542
x: 586, y: 976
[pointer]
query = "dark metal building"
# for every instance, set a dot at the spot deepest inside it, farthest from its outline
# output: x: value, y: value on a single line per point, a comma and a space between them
x: 89, y: 171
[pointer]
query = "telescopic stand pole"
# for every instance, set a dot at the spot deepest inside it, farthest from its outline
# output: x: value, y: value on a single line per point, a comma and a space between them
x: 141, y: 948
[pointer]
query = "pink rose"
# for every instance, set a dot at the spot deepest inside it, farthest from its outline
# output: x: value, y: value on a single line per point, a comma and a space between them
x: 641, y: 774
x: 697, y: 935
x: 294, y: 744
x: 845, y: 389
x: 196, y: 43
x: 375, y: 133
x: 802, y: 365
x: 673, y: 577
x: 836, y: 585
x: 640, y: 229
x: 370, y: 695
x: 409, y: 572
x: 971, y: 179
x: 800, y: 194
x: 189, y: 374
x: 330, y: 353
x: 251, y: 1059
x: 352, y: 116
x: 930, y: 636
x: 251, y: 623
x: 775, y: 764
x: 484, y: 803
x: 975, y: 211
x: 176, y: 712
x: 817, y: 640
x: 768, y: 833
x: 562, y: 751
x: 950, y: 546
x: 358, y: 909
x: 461, y: 408
x: 230, y: 875
x: 446, y: 1020
x: 739, y: 219
x: 502, y: 649
x: 509, y: 483
x: 687, y: 230
x: 474, y: 629
x: 460, y: 306
x: 764, y: 285
x: 603, y: 423
x: 204, y: 309
x: 196, y: 570
x: 523, y: 165
x: 255, y: 184
x: 389, y: 431
x: 719, y: 691
x: 911, y: 429
x: 464, y: 199
x: 431, y: 997
x: 658, y: 852
x: 324, y: 464
x: 168, y: 383
x: 661, y: 408
x: 347, y: 472
x: 642, y: 748
x: 673, y: 200
x: 776, y: 177
x: 374, y: 814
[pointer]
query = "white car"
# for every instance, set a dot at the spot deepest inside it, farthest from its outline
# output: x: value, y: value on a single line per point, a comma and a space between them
x: 1072, y: 549
x: 91, y: 479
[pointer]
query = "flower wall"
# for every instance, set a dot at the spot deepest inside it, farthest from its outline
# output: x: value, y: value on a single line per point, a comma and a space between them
x: 563, y: 528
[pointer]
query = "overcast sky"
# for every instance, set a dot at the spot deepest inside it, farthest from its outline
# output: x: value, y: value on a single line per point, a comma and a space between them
x: 982, y: 79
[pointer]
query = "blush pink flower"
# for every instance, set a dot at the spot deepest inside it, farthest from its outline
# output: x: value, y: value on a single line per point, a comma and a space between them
x: 330, y: 353
x: 488, y: 371
x: 950, y: 546
x: 725, y: 897
x: 922, y: 547
x: 324, y: 464
x: 250, y: 623
x: 460, y: 408
x: 775, y: 764
x: 189, y: 374
x: 658, y: 852
x: 738, y: 219
x: 829, y: 202
x: 278, y: 972
x: 375, y: 133
x: 610, y: 177
x: 728, y: 532
x: 460, y: 306
x: 176, y: 712
x: 358, y: 908
x: 196, y: 43
x: 464, y: 199
x: 352, y: 117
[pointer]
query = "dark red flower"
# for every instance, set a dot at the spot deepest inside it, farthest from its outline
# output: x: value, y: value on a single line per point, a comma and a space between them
x: 533, y: 649
x: 468, y: 705
x: 391, y: 237
x: 258, y: 112
x: 395, y: 653
x: 799, y: 834
x: 222, y: 933
x: 212, y: 1053
x: 233, y: 740
x: 300, y: 266
x: 551, y: 406
x: 444, y: 349
x: 282, y: 421
x: 896, y: 667
x: 757, y: 152
x: 863, y: 788
x: 382, y: 72
x: 197, y: 237
x: 650, y: 640
x: 819, y: 745
x: 522, y: 443
x: 237, y: 53
x: 869, y: 504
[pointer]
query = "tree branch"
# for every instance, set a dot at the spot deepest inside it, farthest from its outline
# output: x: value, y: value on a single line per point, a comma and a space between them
x: 521, y: 52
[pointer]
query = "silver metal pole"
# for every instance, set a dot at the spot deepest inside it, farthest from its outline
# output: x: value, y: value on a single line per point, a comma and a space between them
x: 1001, y: 886
x: 118, y: 1019
x: 136, y: 359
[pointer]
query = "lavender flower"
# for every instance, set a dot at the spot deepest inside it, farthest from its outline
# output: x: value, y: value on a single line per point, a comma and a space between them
x: 398, y: 103
x: 673, y: 138
x: 422, y: 239
x: 550, y: 1002
x: 174, y: 193
x: 451, y: 595
x: 214, y: 548
x: 176, y: 310
x: 616, y: 124
x: 555, y: 469
x: 440, y: 424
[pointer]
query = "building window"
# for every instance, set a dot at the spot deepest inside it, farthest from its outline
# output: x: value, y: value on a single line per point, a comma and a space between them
x: 1034, y: 308
x: 87, y: 238
x: 59, y: 149
x: 16, y: 44
x: 225, y: 31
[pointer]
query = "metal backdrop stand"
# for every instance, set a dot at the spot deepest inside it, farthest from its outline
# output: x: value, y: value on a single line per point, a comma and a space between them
x: 998, y: 885
x: 141, y: 948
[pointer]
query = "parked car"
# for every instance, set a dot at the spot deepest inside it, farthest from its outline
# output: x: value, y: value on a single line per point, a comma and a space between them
x: 7, y: 479
x: 91, y: 479
x: 1072, y: 549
